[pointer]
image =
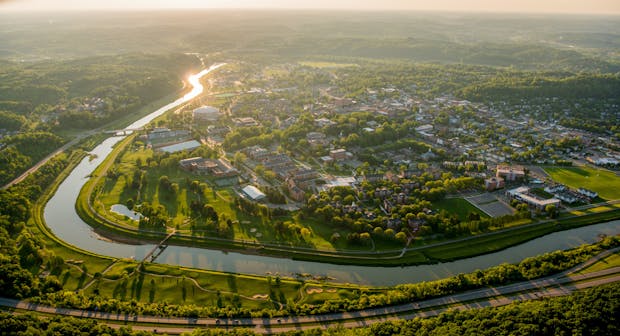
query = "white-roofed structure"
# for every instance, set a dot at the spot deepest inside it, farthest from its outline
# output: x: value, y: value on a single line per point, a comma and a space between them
x: 522, y: 194
x: 180, y: 146
x: 207, y: 113
x: 253, y: 193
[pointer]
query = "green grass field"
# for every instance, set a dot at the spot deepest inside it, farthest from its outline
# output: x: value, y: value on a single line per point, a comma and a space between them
x: 162, y: 283
x: 604, y: 182
x: 610, y: 261
x: 245, y: 226
x: 458, y: 206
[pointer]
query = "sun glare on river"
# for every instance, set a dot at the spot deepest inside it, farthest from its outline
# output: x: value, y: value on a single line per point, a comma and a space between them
x: 194, y: 81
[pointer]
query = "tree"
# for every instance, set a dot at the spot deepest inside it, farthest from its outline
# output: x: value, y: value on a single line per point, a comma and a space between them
x: 305, y: 233
x: 552, y: 210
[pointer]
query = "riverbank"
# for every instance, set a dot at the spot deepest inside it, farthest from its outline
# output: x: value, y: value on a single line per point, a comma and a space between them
x: 220, y: 257
x: 91, y: 212
x: 433, y: 253
x: 98, y: 274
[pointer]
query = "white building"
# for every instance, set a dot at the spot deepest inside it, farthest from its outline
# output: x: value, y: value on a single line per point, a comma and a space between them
x: 522, y: 194
x: 424, y: 128
x: 253, y: 193
x: 587, y: 193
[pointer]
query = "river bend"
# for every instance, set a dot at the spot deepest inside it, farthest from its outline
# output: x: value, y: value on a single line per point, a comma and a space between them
x: 61, y: 217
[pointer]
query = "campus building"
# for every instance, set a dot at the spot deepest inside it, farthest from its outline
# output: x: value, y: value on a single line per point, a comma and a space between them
x: 253, y: 193
x: 510, y: 173
x: 206, y: 113
x: 522, y: 194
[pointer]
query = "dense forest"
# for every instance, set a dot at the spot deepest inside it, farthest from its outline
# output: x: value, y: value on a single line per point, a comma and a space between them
x: 44, y: 104
x: 86, y: 92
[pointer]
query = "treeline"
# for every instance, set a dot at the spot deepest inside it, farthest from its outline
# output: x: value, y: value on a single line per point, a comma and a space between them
x: 11, y: 121
x: 20, y: 151
x: 23, y: 255
x: 424, y: 49
x: 528, y: 269
x: 45, y: 85
x: 32, y: 324
x: 536, y: 85
x: 38, y: 100
x: 593, y: 311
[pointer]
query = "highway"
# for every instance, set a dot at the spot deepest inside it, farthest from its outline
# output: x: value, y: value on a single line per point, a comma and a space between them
x: 557, y: 285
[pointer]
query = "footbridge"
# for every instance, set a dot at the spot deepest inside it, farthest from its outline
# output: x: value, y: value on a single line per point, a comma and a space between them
x: 158, y: 249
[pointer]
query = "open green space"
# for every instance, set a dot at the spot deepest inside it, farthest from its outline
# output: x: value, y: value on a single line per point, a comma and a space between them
x: 241, y: 225
x: 459, y: 206
x: 606, y: 183
x: 486, y: 243
x: 221, y: 201
x: 123, y: 279
x: 158, y: 283
x: 610, y: 261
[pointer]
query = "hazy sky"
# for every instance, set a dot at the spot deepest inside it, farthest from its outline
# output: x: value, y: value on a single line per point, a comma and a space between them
x: 559, y: 6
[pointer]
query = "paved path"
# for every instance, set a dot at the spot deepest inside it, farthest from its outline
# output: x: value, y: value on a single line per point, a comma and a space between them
x: 560, y: 284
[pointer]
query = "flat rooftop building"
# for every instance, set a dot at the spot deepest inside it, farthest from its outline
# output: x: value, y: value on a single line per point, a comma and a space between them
x: 253, y: 193
x: 522, y: 194
x: 207, y: 113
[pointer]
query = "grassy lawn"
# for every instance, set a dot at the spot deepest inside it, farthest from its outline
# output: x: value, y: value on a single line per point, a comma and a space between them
x: 610, y: 261
x: 458, y: 206
x: 180, y: 290
x: 159, y: 283
x: 604, y: 182
x: 598, y: 209
x: 486, y: 244
x: 72, y: 278
x: 244, y: 226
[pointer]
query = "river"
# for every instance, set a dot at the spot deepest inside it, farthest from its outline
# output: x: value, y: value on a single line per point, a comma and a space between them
x: 61, y: 217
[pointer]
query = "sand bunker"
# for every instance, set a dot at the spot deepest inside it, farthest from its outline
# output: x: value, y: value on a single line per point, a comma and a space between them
x: 314, y: 290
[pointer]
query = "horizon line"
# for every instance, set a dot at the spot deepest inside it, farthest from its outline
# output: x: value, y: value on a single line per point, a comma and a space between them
x: 309, y: 9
